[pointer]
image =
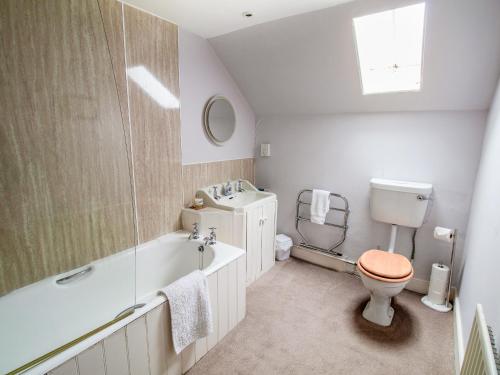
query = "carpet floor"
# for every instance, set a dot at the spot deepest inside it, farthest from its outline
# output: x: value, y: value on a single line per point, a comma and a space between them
x: 304, y: 319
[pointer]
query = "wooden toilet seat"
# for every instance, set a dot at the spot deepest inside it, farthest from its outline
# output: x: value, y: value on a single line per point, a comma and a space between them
x: 384, y: 266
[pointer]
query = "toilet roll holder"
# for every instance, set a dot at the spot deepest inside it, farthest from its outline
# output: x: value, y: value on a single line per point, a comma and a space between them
x: 447, y: 305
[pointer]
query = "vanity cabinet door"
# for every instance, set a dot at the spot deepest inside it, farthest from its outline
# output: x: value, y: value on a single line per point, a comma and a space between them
x: 268, y: 235
x: 254, y: 241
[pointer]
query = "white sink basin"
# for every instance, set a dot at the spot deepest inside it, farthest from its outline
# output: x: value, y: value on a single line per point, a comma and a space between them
x: 237, y: 200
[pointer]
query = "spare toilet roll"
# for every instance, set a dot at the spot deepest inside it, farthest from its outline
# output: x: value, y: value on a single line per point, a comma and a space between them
x: 443, y: 234
x: 438, y: 286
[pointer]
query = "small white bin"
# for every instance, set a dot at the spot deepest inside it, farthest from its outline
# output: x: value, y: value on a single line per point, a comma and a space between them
x: 283, y: 246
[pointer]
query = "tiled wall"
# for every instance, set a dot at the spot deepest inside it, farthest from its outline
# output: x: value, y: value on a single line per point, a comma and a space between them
x: 199, y: 175
x: 145, y: 345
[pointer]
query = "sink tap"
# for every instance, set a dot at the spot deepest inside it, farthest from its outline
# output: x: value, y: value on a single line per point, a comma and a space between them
x: 215, y: 193
x: 239, y: 188
x: 228, y: 189
x: 195, y: 234
x: 211, y: 238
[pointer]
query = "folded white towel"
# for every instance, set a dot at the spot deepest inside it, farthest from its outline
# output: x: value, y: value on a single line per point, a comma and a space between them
x: 190, y: 311
x: 320, y: 205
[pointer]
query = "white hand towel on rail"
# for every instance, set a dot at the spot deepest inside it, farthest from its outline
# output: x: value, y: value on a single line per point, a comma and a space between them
x: 320, y: 205
x: 190, y: 311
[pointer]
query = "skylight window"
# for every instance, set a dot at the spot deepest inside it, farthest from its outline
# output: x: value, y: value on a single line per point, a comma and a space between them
x: 390, y: 49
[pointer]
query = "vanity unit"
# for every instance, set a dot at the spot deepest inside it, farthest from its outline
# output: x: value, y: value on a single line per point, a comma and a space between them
x: 244, y: 217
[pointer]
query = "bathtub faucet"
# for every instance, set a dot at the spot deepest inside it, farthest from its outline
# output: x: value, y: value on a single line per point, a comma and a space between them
x: 195, y: 234
x: 211, y: 238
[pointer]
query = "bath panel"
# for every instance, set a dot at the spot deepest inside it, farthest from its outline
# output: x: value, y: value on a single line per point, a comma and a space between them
x: 213, y: 338
x: 115, y: 352
x: 156, y: 322
x: 148, y: 348
x: 143, y: 343
x: 90, y: 362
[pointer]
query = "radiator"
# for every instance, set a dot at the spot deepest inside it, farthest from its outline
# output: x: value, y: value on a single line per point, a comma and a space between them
x: 481, y: 354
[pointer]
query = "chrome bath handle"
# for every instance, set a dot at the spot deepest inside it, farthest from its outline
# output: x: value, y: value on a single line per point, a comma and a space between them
x: 75, y: 276
x: 129, y: 310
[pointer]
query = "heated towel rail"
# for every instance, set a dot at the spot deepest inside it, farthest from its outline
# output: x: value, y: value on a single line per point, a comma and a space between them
x: 303, y: 201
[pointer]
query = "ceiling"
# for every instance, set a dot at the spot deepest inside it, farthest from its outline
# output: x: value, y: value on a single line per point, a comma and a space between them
x: 307, y: 64
x: 216, y: 17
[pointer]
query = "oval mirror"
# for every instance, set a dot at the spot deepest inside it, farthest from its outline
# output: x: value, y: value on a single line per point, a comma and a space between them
x: 220, y: 120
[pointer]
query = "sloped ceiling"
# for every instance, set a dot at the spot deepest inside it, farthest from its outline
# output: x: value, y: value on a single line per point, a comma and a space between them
x: 209, y: 18
x: 307, y: 64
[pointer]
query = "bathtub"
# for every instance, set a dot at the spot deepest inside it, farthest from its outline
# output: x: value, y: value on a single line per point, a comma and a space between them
x: 54, y: 310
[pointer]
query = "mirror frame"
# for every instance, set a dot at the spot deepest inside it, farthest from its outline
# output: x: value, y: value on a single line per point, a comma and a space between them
x: 206, y: 122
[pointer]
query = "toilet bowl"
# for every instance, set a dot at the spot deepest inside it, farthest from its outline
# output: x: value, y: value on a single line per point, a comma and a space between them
x: 385, y: 275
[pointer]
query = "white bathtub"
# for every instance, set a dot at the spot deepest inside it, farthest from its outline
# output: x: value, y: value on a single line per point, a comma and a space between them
x: 43, y: 316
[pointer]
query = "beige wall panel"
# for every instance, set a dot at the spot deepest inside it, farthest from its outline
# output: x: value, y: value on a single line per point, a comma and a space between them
x: 152, y: 61
x: 64, y: 186
x: 196, y: 176
x: 112, y: 20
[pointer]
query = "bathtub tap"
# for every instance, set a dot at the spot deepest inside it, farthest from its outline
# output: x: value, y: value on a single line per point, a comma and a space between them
x: 211, y: 238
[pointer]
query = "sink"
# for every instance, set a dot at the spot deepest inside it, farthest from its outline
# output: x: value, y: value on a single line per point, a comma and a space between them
x: 236, y: 201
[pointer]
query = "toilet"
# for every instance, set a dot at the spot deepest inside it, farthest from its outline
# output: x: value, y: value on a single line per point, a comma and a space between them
x: 385, y: 273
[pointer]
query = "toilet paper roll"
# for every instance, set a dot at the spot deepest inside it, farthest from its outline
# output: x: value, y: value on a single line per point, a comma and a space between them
x: 444, y: 234
x: 438, y: 286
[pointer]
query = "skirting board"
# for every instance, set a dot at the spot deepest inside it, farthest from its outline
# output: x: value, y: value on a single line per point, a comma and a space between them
x: 458, y: 335
x: 322, y: 259
x: 335, y: 263
x: 418, y: 285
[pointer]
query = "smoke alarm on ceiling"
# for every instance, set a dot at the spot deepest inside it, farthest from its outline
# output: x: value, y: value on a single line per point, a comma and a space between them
x: 247, y: 14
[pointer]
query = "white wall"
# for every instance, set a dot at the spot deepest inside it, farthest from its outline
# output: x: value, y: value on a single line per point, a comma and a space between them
x: 341, y: 153
x: 201, y: 76
x: 481, y: 276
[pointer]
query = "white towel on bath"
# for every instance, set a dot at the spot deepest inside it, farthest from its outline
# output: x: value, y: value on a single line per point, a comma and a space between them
x: 190, y: 311
x: 320, y: 205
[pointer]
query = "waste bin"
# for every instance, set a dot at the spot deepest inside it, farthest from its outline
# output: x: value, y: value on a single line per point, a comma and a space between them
x: 283, y: 246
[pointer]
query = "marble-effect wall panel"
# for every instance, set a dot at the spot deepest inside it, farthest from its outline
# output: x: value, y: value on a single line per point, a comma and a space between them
x: 76, y: 125
x: 196, y: 176
x: 65, y: 184
x: 153, y: 81
x: 111, y: 12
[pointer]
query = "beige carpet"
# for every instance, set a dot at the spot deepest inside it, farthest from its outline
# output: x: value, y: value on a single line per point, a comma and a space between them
x: 304, y: 319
